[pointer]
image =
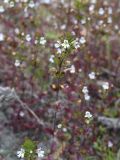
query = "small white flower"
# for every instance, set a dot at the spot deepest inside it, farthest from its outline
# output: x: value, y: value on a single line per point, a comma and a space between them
x: 17, y: 31
x: 40, y: 153
x: 31, y: 4
x: 88, y: 114
x: 2, y: 9
x: 105, y: 85
x: 42, y: 40
x: 101, y: 11
x: 63, y: 27
x: 116, y: 27
x: 12, y: 4
x: 82, y: 40
x: 93, y: 1
x: 72, y: 69
x: 91, y: 8
x: 85, y: 90
x: 76, y: 44
x: 83, y: 21
x: 64, y: 129
x: 6, y: 1
x: 59, y: 51
x: 92, y: 75
x: 87, y: 97
x: 57, y: 44
x: 59, y: 126
x: 110, y: 144
x: 65, y: 44
x: 17, y: 63
x: 1, y: 37
x: 110, y: 11
x: 21, y: 114
x: 21, y: 153
x: 28, y: 37
x: 51, y: 59
x: 100, y: 22
x: 109, y: 20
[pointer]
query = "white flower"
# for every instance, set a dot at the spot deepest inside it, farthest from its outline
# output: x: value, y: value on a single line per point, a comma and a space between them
x: 64, y: 129
x: 116, y: 27
x: 21, y: 114
x: 1, y: 37
x: 92, y: 75
x: 65, y: 44
x: 88, y: 114
x: 110, y: 144
x: 31, y: 4
x: 105, y: 85
x: 85, y: 90
x: 91, y: 8
x: 76, y: 44
x: 21, y: 153
x: 6, y: 1
x: 59, y: 50
x: 12, y: 4
x: 110, y: 10
x: 93, y: 1
x: 87, y: 97
x: 2, y: 9
x: 57, y: 44
x: 40, y: 153
x: 51, y: 59
x: 59, y: 126
x: 42, y: 40
x: 82, y: 40
x: 72, y: 69
x: 28, y: 37
x: 101, y: 11
x: 83, y: 21
x: 109, y: 20
x: 17, y: 31
x: 17, y: 63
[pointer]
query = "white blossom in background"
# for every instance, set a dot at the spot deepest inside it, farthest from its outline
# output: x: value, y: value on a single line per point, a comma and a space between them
x: 11, y: 4
x: 110, y: 144
x: 2, y: 9
x: 116, y: 27
x: 105, y: 85
x: 82, y: 40
x: 6, y: 1
x: 59, y: 126
x: 93, y: 1
x: 63, y: 27
x: 76, y: 44
x: 51, y: 59
x: 92, y: 75
x: 21, y: 114
x: 101, y: 11
x: 100, y: 22
x: 42, y: 40
x: 40, y: 153
x: 85, y: 90
x: 17, y: 63
x: 64, y: 129
x: 83, y: 21
x: 110, y: 11
x: 72, y: 69
x: 87, y: 97
x: 65, y: 44
x: 28, y: 37
x: 91, y: 8
x: 88, y: 114
x: 2, y: 37
x: 21, y: 153
x: 57, y: 44
x: 31, y: 4
x: 109, y: 20
x: 59, y: 51
x: 17, y: 31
